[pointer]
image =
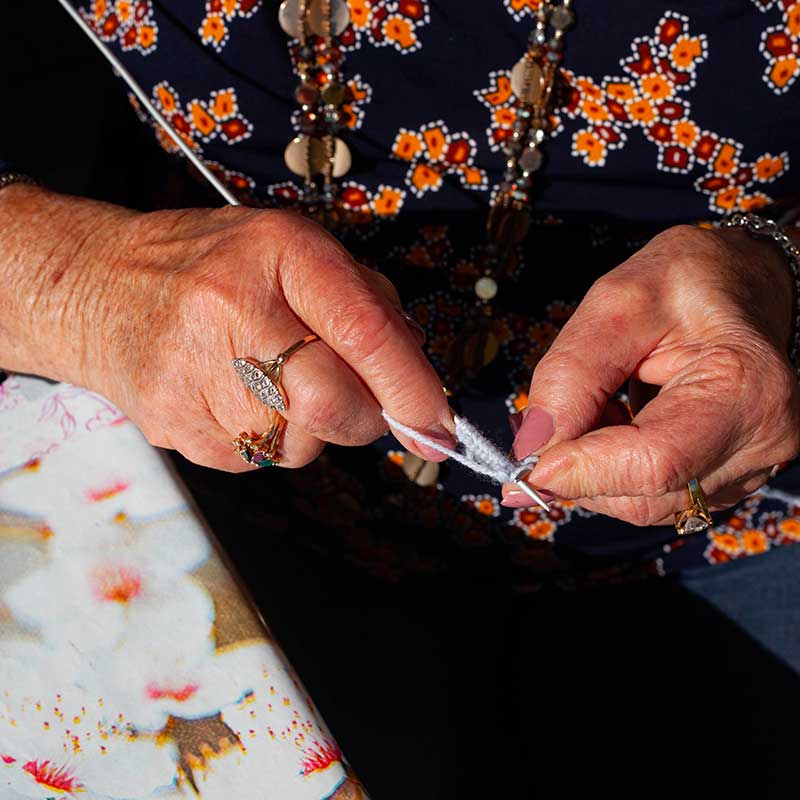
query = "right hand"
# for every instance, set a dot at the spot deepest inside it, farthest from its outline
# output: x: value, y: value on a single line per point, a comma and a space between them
x: 167, y: 299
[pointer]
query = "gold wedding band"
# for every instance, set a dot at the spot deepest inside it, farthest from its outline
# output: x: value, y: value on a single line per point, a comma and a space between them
x: 696, y: 518
x: 263, y: 378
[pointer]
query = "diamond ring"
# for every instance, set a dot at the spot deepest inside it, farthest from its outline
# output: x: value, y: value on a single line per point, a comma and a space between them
x: 263, y: 378
x: 696, y: 518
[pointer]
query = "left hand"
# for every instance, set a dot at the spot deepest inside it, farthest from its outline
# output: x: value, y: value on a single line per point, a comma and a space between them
x: 699, y: 320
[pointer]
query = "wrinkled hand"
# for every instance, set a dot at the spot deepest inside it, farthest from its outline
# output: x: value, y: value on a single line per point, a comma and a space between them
x: 175, y: 296
x: 699, y: 320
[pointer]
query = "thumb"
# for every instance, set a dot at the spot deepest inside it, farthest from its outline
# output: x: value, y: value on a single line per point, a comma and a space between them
x: 608, y: 335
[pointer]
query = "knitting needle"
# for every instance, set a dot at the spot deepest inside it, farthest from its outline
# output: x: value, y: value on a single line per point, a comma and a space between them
x: 149, y: 107
x: 528, y: 489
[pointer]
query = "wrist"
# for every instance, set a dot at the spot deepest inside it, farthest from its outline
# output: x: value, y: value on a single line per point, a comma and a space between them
x: 54, y: 251
x: 770, y: 291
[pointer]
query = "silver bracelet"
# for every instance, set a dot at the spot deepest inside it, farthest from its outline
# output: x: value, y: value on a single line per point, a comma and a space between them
x: 759, y: 226
x: 10, y: 178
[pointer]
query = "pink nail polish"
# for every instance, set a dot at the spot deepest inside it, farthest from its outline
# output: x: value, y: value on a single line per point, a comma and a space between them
x: 428, y: 452
x: 536, y: 430
x: 517, y: 499
x: 515, y: 420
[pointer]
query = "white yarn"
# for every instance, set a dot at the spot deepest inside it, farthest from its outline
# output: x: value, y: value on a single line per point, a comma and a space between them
x: 478, y: 453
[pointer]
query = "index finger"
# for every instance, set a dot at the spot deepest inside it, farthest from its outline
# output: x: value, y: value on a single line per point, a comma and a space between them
x: 365, y: 330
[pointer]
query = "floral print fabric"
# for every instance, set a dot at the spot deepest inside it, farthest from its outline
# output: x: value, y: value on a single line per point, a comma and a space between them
x: 119, y: 675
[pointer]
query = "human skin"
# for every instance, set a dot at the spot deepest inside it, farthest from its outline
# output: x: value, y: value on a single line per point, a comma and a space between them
x: 150, y: 309
x: 699, y: 320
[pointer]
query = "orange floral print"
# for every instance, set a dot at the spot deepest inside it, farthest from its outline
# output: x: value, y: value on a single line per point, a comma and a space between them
x: 382, y: 23
x: 780, y: 45
x: 754, y: 542
x: 790, y: 528
x: 214, y: 28
x: 432, y: 153
x: 520, y: 8
x: 130, y: 23
x: 198, y: 122
x: 359, y: 206
x: 485, y: 504
x: 652, y: 96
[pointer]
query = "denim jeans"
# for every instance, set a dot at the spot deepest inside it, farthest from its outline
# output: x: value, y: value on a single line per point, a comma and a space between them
x: 761, y: 595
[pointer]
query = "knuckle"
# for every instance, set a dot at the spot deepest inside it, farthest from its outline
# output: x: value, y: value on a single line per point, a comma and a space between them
x: 326, y: 416
x: 638, y: 511
x: 731, y: 366
x: 662, y: 469
x: 362, y: 329
x: 621, y: 290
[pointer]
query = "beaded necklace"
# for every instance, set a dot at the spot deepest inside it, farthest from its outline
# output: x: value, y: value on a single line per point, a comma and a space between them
x: 319, y: 155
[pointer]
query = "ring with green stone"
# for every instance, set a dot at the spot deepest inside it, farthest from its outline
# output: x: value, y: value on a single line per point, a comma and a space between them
x: 260, y: 450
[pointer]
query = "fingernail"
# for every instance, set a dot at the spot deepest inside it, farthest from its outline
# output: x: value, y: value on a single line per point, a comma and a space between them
x: 536, y: 430
x: 515, y: 421
x: 517, y: 499
x: 427, y: 452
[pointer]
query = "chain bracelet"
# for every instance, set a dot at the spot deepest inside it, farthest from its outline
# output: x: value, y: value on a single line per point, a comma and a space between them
x: 767, y: 228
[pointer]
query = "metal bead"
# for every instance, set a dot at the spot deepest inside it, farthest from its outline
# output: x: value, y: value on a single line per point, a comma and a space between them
x: 486, y: 288
x: 334, y: 93
x: 535, y: 82
x: 307, y: 156
x: 419, y: 471
x: 306, y: 94
x: 288, y: 18
x: 536, y: 135
x: 562, y: 18
x: 340, y: 17
x: 531, y: 160
x: 298, y: 155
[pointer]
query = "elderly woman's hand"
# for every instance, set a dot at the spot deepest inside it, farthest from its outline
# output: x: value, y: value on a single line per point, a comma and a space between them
x: 699, y: 320
x: 150, y: 309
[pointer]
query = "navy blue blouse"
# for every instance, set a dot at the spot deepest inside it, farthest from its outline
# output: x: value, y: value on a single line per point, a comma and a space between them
x: 673, y: 113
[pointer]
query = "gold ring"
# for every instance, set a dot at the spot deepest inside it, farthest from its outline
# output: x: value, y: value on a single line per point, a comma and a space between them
x: 261, y: 450
x: 696, y: 518
x: 263, y: 378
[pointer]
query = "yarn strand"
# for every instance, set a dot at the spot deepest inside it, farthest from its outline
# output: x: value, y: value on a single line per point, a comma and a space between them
x: 477, y: 453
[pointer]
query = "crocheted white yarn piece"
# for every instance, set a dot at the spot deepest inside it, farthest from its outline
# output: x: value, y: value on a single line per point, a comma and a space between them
x: 476, y: 451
